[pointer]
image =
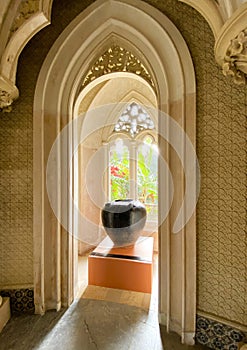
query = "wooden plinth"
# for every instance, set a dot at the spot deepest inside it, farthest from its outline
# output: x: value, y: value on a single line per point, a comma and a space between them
x: 129, y: 268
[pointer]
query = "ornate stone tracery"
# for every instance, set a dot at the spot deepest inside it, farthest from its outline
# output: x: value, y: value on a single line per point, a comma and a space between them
x: 117, y: 59
x: 133, y: 120
x: 235, y: 60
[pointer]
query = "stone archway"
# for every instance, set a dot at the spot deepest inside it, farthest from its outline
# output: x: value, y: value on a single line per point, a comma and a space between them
x: 114, y: 91
x: 151, y: 37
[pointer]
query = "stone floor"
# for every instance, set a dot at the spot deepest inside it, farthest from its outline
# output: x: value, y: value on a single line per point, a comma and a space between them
x: 89, y: 325
x: 120, y: 320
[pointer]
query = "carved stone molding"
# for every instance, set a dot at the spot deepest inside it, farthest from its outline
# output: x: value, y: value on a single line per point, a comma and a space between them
x: 31, y: 16
x: 26, y: 9
x: 5, y: 100
x: 8, y: 93
x: 117, y: 59
x: 228, y: 23
x: 231, y: 46
x: 235, y: 60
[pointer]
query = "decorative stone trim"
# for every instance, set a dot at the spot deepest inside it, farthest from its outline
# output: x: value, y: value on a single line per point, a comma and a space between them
x: 8, y: 93
x: 32, y: 16
x: 21, y: 300
x: 217, y: 335
x: 228, y: 23
x: 231, y: 46
x: 5, y: 101
x: 26, y: 9
x: 117, y: 59
x: 235, y: 60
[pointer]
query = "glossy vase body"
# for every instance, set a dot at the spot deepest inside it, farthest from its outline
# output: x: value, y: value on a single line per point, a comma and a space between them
x: 123, y: 220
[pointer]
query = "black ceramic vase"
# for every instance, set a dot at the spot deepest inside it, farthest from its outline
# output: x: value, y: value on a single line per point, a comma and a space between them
x: 123, y: 220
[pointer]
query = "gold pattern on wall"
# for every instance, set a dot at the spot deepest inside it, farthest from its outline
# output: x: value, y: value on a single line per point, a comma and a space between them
x: 221, y: 149
x: 117, y: 59
x: 16, y: 157
x: 16, y: 248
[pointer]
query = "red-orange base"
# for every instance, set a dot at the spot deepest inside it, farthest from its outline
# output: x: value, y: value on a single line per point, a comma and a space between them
x: 129, y: 268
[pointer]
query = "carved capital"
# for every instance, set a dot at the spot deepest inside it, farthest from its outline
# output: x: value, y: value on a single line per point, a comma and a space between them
x: 8, y: 93
x: 5, y: 100
x: 235, y: 60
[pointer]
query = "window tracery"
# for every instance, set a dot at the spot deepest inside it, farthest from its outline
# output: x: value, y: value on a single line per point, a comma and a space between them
x: 133, y: 120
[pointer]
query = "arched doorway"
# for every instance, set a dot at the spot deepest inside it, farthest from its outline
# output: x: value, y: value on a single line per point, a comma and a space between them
x: 115, y: 93
x: 140, y: 29
x: 97, y: 183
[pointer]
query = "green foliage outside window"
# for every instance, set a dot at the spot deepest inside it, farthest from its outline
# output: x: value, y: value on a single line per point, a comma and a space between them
x: 119, y: 174
x: 147, y: 176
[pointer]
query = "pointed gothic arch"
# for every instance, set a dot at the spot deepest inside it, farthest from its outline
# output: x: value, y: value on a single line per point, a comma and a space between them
x: 103, y: 84
x: 153, y: 38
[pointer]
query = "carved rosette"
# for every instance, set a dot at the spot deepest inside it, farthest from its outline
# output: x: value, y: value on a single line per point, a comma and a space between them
x: 235, y: 60
x: 117, y: 59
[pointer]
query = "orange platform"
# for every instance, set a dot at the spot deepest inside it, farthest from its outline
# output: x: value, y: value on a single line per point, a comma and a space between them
x: 129, y: 268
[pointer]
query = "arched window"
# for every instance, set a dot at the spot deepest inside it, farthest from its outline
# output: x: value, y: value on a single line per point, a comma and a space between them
x: 133, y: 159
x: 119, y: 170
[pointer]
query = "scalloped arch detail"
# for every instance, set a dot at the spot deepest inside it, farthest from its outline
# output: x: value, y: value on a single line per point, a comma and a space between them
x: 117, y: 59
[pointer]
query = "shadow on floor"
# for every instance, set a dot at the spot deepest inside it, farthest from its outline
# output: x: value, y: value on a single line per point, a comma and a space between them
x: 86, y: 325
x: 171, y: 341
x: 27, y: 331
x: 90, y: 325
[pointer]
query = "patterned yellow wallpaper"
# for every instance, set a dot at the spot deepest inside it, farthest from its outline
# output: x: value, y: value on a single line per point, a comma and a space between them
x: 16, y: 164
x: 16, y: 247
x: 222, y: 243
